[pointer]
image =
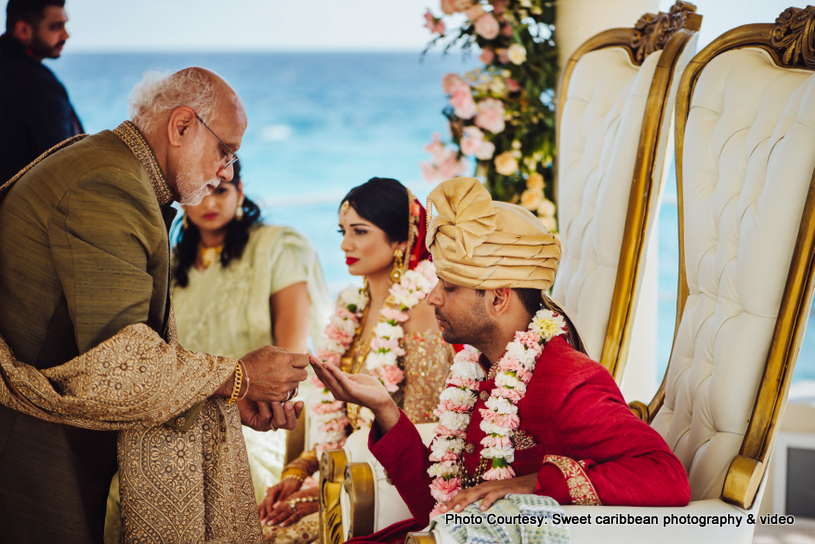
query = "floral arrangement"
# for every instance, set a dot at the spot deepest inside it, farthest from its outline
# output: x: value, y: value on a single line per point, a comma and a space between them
x: 499, y: 418
x: 502, y: 114
x: 330, y: 414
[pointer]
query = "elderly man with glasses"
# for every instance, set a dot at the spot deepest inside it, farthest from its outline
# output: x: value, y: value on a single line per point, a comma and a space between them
x: 89, y: 361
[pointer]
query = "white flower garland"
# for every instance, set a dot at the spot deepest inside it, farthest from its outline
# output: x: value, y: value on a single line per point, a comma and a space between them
x: 500, y: 417
x: 382, y: 360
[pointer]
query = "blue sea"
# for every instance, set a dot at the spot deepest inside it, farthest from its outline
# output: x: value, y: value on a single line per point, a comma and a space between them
x: 321, y: 123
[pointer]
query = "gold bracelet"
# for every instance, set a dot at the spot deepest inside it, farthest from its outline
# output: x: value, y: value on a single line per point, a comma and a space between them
x: 294, y: 471
x: 292, y: 477
x: 293, y: 502
x: 236, y: 384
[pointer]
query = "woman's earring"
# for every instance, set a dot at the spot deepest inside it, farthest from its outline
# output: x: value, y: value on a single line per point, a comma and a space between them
x: 239, y: 211
x: 184, y: 221
x: 396, y: 273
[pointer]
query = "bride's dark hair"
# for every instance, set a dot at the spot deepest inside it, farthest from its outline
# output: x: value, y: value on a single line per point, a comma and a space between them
x: 237, y: 236
x: 383, y: 202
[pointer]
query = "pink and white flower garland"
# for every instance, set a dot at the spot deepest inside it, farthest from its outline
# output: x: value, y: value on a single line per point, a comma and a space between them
x: 500, y: 417
x: 382, y: 360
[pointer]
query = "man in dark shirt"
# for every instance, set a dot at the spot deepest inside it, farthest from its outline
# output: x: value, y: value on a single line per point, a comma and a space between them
x: 35, y: 112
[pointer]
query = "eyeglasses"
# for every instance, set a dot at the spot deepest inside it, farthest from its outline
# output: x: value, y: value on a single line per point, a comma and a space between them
x: 234, y: 156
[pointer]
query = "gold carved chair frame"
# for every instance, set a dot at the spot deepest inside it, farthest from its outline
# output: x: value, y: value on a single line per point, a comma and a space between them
x: 788, y: 42
x: 669, y: 32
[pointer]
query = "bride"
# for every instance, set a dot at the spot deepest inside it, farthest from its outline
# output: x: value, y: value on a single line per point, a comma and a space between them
x: 384, y: 329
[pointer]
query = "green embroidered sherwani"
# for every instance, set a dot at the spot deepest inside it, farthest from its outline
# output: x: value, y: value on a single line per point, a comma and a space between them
x: 88, y: 347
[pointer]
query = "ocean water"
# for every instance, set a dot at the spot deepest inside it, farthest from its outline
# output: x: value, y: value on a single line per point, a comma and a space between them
x: 321, y: 123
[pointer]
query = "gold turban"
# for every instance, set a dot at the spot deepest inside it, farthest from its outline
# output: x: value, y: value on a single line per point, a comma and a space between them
x: 478, y: 243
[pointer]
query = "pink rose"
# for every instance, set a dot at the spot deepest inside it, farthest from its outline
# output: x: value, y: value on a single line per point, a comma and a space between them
x: 503, y: 55
x: 503, y: 473
x: 338, y: 335
x: 436, y: 26
x: 436, y: 511
x: 487, y: 26
x: 463, y: 103
x: 487, y: 55
x: 326, y: 407
x: 448, y: 7
x: 506, y: 30
x: 391, y: 376
x: 335, y: 424
x: 512, y: 85
x: 345, y: 313
x: 496, y: 442
x: 474, y: 12
x: 444, y: 490
x: 510, y: 394
x: 499, y: 6
x: 392, y: 314
x: 441, y: 430
x: 463, y: 382
x: 471, y: 140
x: 467, y: 355
x: 453, y: 82
x: 435, y: 148
x: 491, y: 115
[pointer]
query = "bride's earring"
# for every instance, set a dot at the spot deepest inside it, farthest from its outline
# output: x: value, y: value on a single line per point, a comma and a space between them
x: 396, y: 273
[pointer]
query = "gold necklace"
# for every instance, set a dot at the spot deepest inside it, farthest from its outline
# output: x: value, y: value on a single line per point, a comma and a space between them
x: 207, y: 255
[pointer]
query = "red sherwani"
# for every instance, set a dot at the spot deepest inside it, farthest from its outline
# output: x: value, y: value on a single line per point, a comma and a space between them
x: 577, y: 434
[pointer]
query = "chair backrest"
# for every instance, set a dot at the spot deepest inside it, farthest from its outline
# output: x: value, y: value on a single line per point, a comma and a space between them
x: 745, y: 137
x: 614, y: 111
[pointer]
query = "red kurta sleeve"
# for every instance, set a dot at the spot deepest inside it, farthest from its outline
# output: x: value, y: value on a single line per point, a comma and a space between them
x: 405, y: 458
x: 607, y: 455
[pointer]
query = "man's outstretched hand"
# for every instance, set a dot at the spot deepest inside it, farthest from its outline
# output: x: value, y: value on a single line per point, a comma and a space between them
x: 359, y: 389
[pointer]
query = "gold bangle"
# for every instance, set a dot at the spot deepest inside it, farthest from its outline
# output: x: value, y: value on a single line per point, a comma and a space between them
x: 297, y: 472
x: 292, y: 477
x: 236, y: 384
x: 293, y: 502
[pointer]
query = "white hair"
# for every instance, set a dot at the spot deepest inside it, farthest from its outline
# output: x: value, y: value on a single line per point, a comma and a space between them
x: 158, y: 93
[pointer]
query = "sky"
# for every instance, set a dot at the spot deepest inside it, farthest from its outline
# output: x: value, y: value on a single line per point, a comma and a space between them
x: 303, y: 25
x: 215, y: 25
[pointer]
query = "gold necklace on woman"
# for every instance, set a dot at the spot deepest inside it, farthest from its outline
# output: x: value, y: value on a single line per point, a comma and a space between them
x: 207, y: 255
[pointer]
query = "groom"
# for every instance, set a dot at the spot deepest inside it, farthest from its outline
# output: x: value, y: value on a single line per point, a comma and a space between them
x: 533, y: 413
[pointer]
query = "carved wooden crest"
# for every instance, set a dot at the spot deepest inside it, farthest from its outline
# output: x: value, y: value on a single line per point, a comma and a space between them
x: 794, y: 36
x: 652, y: 32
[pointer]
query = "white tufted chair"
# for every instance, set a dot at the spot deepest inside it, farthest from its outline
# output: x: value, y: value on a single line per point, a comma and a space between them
x: 745, y: 133
x: 613, y: 128
x: 613, y: 120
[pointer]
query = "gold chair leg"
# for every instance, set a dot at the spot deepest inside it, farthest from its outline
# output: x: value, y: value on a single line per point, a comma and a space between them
x: 332, y: 470
x: 361, y: 488
x: 420, y: 538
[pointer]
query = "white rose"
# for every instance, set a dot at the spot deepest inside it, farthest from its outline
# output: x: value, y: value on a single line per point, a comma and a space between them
x: 516, y: 53
x: 501, y: 405
x: 507, y: 380
x: 468, y: 370
x: 455, y: 421
x: 409, y: 301
x: 491, y: 428
x: 515, y: 350
x: 458, y: 396
x: 376, y: 359
x: 333, y: 346
x: 386, y: 330
x: 437, y: 469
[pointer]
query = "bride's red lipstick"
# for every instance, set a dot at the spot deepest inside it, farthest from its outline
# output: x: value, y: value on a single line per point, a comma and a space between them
x: 350, y: 260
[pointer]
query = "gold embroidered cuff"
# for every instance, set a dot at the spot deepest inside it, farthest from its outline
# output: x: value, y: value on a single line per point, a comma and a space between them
x: 581, y: 489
